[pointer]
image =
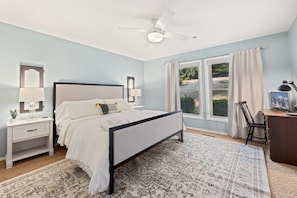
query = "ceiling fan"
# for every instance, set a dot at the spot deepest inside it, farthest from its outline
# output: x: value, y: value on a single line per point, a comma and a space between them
x: 156, y: 33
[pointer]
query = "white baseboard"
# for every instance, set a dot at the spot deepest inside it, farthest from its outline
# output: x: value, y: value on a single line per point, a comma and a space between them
x: 209, y: 131
x: 2, y: 158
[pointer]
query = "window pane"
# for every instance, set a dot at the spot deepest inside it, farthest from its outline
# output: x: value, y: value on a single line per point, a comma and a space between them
x: 220, y: 73
x: 189, y: 89
x: 220, y: 103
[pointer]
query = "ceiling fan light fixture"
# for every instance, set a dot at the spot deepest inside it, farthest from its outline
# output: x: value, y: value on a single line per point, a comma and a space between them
x: 155, y: 37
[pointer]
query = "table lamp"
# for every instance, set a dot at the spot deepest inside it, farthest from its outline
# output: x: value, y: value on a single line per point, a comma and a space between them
x: 285, y: 86
x: 136, y: 93
x: 31, y: 95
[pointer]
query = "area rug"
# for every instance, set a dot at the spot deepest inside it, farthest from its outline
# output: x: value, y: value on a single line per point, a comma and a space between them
x: 201, y: 166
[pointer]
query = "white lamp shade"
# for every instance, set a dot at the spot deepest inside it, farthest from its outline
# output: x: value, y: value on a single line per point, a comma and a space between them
x: 31, y: 94
x: 136, y: 92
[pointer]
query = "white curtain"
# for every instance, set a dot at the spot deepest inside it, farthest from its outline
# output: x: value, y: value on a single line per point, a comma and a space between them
x: 172, y: 96
x: 245, y: 84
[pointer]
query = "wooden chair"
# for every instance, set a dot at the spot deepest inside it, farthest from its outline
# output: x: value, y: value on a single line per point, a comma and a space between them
x: 251, y: 122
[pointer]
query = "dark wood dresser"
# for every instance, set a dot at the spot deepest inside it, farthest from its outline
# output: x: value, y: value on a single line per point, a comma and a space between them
x: 282, y: 136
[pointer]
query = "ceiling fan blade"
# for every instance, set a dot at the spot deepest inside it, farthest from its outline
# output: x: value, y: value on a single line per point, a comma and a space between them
x: 134, y: 29
x: 146, y: 16
x: 172, y: 35
x: 164, y: 19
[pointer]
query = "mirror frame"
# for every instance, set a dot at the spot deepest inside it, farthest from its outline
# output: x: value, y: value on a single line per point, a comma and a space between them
x: 130, y: 98
x: 23, y: 69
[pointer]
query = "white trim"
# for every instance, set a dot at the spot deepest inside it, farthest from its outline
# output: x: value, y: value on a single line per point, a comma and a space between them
x: 200, y: 92
x: 201, y: 107
x: 209, y: 131
x: 189, y: 62
x: 217, y: 59
x: 208, y: 89
x: 2, y: 158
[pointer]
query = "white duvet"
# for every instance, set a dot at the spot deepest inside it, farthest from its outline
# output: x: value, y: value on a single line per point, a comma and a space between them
x: 87, y: 140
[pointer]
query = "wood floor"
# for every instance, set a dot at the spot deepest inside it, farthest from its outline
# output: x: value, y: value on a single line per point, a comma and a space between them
x: 29, y: 164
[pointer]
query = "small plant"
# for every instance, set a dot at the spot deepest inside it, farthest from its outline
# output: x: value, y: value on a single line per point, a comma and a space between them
x: 13, y: 113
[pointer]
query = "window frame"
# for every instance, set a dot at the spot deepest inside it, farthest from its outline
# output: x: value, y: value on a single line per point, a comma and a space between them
x: 187, y: 64
x: 208, y: 86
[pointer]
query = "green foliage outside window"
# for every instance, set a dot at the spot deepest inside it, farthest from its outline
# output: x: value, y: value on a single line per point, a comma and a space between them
x: 220, y: 105
x: 187, y: 104
x: 220, y: 70
x: 220, y: 108
x: 188, y: 74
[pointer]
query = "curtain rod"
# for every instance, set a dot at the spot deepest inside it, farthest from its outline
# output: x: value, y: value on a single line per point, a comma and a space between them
x: 261, y: 47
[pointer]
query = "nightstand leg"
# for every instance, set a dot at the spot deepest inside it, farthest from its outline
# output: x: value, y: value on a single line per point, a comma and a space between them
x: 8, y: 156
x: 51, y: 151
x: 9, y: 163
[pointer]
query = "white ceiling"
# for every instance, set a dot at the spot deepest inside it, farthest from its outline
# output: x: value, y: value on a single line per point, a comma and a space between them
x: 95, y: 22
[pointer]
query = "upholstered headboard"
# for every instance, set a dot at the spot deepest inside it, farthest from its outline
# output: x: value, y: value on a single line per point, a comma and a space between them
x: 65, y: 91
x: 83, y: 91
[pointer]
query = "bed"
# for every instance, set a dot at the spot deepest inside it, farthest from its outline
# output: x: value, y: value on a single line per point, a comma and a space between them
x: 121, y: 135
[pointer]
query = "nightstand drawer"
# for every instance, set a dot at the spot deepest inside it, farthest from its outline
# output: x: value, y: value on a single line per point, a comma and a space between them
x: 28, y: 131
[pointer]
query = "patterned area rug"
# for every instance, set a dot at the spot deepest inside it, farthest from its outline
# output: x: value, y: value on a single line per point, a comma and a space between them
x: 200, y: 167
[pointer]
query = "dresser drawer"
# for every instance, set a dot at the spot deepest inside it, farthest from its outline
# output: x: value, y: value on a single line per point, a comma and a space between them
x: 31, y: 130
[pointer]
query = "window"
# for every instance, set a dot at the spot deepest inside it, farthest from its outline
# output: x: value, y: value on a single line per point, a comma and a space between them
x: 217, y: 87
x: 190, y: 86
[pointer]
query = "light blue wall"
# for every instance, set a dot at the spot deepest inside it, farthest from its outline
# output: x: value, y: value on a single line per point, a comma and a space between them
x: 62, y: 60
x: 293, y: 49
x: 276, y: 65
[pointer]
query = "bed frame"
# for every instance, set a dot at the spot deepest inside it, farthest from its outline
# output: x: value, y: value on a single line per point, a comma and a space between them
x: 125, y: 141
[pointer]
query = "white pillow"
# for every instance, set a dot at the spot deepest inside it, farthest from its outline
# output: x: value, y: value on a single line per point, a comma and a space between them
x: 120, y: 103
x: 84, y: 108
x: 62, y: 112
x: 77, y: 109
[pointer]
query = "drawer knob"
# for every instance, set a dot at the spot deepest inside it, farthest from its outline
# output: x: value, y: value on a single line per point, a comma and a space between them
x: 31, y: 130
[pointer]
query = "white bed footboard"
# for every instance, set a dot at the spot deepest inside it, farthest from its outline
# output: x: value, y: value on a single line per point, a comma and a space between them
x: 129, y: 140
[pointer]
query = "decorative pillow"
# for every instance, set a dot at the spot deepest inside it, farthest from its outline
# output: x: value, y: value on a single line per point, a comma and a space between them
x: 112, y: 108
x: 120, y: 103
x: 108, y: 108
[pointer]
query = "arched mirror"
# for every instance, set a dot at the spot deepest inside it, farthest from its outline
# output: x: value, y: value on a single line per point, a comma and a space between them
x: 130, y: 86
x: 31, y: 76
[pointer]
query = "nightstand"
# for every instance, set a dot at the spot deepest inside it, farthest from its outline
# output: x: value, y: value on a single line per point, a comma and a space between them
x: 26, y: 138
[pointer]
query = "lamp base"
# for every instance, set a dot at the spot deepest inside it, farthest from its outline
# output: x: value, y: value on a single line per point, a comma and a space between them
x: 32, y: 110
x: 32, y: 114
